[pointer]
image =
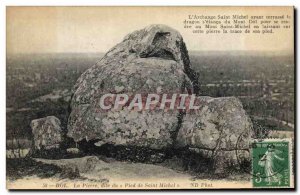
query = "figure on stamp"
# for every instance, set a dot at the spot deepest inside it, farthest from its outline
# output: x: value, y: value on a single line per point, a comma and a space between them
x: 269, y: 161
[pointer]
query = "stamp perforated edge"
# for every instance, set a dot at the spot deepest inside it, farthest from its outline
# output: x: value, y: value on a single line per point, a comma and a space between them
x: 291, y: 160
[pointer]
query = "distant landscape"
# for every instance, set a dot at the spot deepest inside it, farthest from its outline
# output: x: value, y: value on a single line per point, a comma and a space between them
x: 264, y: 82
x: 39, y: 85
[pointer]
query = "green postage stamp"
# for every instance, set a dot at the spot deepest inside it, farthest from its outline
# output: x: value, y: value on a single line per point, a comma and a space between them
x: 271, y: 163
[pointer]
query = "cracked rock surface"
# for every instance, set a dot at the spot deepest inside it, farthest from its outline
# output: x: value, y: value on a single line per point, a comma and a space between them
x: 155, y: 60
x: 220, y: 129
x: 47, y: 132
x: 151, y: 60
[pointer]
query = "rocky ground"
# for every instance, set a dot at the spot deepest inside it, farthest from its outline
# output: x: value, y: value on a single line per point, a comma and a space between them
x: 102, y: 171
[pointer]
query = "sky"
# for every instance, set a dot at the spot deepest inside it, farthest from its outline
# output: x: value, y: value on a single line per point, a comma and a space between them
x: 97, y: 29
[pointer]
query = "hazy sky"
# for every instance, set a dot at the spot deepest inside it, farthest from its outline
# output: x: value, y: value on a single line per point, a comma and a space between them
x: 97, y: 29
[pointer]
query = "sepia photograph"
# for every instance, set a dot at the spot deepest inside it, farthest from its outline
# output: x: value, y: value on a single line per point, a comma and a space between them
x: 150, y: 97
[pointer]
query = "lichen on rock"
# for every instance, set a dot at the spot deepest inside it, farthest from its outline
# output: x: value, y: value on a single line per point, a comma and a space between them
x: 47, y: 132
x: 221, y: 130
x: 155, y: 60
x: 151, y: 60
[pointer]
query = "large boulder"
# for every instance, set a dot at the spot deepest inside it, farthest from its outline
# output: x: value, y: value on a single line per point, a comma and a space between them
x: 151, y: 60
x: 47, y: 132
x: 220, y: 130
x: 155, y: 60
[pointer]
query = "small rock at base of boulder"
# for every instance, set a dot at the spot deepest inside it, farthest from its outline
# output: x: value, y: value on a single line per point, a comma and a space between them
x: 47, y: 132
x: 73, y: 150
